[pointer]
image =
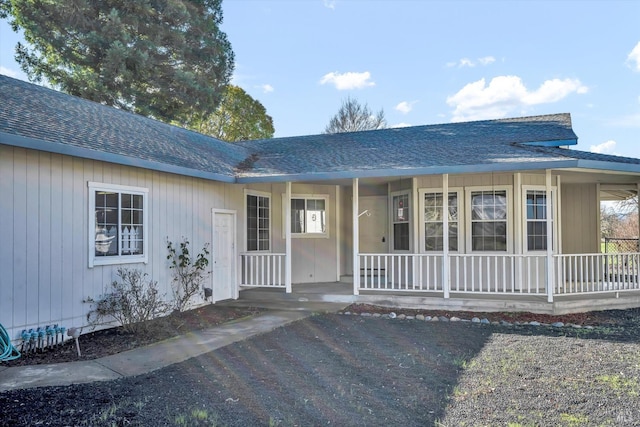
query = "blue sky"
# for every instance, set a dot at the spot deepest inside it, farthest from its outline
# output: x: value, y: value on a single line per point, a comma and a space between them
x: 426, y: 62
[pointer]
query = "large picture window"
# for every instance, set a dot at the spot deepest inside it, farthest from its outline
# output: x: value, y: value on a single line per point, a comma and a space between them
x: 434, y: 221
x: 309, y: 215
x: 118, y: 224
x: 536, y: 220
x: 400, y: 215
x: 489, y: 212
x: 258, y: 222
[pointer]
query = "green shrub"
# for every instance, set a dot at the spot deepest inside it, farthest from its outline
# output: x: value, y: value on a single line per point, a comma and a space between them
x: 133, y: 301
x: 188, y: 274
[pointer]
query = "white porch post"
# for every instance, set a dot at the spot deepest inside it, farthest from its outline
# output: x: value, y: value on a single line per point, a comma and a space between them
x: 550, y: 284
x: 356, y: 239
x: 338, y: 236
x: 446, y: 264
x: 638, y: 196
x: 287, y: 240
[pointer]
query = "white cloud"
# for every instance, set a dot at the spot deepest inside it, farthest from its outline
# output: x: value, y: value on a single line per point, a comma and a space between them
x: 400, y: 125
x: 9, y: 72
x: 405, y: 107
x: 634, y: 58
x: 486, y: 60
x: 466, y: 62
x: 267, y: 88
x: 478, y: 101
x: 606, y: 147
x: 330, y: 4
x: 349, y: 80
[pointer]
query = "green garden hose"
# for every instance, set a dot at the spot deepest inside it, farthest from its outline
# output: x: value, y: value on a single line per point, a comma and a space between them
x: 7, y: 350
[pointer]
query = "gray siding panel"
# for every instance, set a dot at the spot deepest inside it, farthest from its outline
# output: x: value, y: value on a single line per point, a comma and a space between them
x: 580, y: 218
x: 44, y: 223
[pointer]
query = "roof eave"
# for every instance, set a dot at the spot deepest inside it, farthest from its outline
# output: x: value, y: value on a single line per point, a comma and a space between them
x: 396, y: 172
x: 85, y: 153
x: 554, y: 143
x: 609, y: 166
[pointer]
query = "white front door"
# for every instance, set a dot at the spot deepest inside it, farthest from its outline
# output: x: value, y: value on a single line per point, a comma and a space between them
x: 223, y: 255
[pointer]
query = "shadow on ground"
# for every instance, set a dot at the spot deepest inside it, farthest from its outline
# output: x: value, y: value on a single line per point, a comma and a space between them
x: 353, y: 370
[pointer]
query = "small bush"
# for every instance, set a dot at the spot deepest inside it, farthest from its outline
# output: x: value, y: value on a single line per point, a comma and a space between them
x: 133, y: 301
x: 188, y: 274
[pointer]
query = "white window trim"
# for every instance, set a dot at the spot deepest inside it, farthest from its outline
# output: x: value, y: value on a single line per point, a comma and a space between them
x: 467, y: 221
x: 248, y: 192
x: 324, y: 197
x: 461, y: 217
x: 554, y: 201
x: 119, y: 259
x: 392, y: 194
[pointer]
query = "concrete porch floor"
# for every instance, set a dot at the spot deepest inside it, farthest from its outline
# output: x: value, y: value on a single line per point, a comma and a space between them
x: 332, y: 296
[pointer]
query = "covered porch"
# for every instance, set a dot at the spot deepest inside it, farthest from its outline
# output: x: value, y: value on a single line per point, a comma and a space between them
x: 416, y: 267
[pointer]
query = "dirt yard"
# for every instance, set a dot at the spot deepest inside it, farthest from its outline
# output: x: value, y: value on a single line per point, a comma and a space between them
x: 338, y: 369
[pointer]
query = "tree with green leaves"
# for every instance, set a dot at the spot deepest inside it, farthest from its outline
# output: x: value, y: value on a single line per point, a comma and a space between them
x: 239, y: 117
x: 355, y: 117
x: 160, y: 58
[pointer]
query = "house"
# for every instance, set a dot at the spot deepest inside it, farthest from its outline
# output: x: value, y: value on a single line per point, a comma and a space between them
x: 86, y: 189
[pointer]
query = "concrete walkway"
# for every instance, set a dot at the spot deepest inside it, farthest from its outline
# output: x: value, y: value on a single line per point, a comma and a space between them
x: 150, y: 358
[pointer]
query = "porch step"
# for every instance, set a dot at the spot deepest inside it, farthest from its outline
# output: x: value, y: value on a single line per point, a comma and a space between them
x: 302, y: 295
x: 332, y: 297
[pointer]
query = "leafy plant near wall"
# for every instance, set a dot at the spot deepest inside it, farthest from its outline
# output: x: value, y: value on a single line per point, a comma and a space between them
x: 133, y: 301
x: 189, y: 273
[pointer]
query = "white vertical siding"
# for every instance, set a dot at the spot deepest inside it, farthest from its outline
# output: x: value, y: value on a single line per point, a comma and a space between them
x: 44, y: 273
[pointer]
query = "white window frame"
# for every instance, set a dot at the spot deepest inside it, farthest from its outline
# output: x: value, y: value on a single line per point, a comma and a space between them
x: 306, y: 198
x: 118, y: 259
x: 508, y: 189
x: 525, y: 220
x: 461, y: 217
x: 392, y: 222
x: 267, y: 195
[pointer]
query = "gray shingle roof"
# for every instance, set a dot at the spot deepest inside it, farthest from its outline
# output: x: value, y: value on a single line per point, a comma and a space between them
x: 40, y: 114
x: 36, y: 117
x: 418, y: 147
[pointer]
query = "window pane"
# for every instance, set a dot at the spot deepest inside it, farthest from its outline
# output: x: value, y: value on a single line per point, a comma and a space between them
x: 433, y: 236
x: 401, y: 208
x: 434, y: 218
x: 536, y: 220
x: 489, y: 236
x: 258, y: 225
x: 433, y: 207
x: 489, y: 220
x: 119, y: 228
x: 453, y: 236
x: 106, y: 213
x: 401, y: 236
x: 308, y: 216
x: 297, y: 215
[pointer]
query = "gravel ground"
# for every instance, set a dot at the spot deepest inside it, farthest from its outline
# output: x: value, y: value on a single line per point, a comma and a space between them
x: 353, y: 370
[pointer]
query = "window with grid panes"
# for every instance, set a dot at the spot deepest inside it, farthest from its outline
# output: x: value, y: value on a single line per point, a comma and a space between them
x: 489, y: 221
x: 258, y: 223
x: 118, y: 224
x: 400, y: 215
x: 433, y: 221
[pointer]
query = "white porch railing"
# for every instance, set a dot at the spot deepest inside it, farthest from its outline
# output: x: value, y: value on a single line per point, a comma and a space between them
x: 265, y: 270
x: 470, y: 273
x: 401, y: 272
x: 489, y: 274
x: 500, y: 274
x: 592, y: 273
